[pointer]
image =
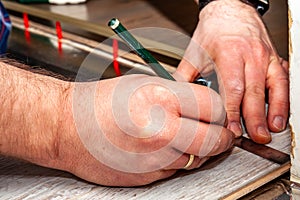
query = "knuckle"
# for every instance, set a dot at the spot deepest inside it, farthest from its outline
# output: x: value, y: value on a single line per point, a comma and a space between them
x: 162, y: 93
x: 255, y: 47
x: 260, y: 48
x: 283, y: 79
x: 233, y: 111
x: 233, y: 43
x: 235, y: 87
x: 155, y: 87
x: 282, y: 104
x: 255, y: 90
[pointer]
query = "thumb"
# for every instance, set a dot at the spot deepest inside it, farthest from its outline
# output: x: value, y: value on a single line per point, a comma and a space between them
x: 194, y: 62
x: 185, y: 71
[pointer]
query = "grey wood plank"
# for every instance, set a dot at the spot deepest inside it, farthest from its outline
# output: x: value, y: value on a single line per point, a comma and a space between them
x: 218, y: 178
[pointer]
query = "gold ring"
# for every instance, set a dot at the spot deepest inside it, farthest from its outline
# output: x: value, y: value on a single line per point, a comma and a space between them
x: 190, y: 162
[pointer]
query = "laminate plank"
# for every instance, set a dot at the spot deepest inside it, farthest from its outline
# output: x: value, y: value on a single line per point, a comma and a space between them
x: 230, y: 175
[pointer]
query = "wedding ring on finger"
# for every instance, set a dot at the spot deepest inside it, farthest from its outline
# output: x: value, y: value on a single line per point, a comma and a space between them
x: 190, y: 162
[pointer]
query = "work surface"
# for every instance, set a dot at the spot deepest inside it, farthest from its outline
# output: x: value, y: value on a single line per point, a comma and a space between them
x: 230, y: 175
x: 94, y: 16
x: 225, y: 175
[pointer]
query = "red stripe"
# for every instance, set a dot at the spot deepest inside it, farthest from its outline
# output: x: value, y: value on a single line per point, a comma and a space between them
x: 58, y: 30
x: 26, y: 20
x: 27, y: 35
x: 115, y: 57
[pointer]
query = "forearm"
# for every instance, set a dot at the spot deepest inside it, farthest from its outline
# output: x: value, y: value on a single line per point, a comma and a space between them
x: 30, y: 115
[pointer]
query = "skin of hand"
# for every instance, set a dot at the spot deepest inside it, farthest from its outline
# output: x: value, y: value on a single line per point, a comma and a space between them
x: 247, y: 65
x: 41, y: 120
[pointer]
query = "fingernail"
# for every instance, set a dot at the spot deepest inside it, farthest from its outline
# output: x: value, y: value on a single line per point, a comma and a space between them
x: 263, y: 132
x: 278, y: 123
x: 236, y: 128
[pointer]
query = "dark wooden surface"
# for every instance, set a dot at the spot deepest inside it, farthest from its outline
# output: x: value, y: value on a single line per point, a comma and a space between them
x: 180, y: 15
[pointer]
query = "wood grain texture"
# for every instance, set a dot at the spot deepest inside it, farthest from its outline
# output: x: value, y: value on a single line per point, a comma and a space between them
x: 125, y: 58
x: 80, y: 16
x: 223, y: 176
x: 172, y: 15
x: 229, y: 176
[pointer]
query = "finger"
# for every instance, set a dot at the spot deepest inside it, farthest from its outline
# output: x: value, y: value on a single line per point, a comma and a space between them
x: 231, y: 85
x: 183, y: 160
x: 185, y: 71
x: 197, y: 162
x: 174, y: 98
x: 196, y: 60
x: 201, y: 139
x: 202, y: 161
x: 278, y: 86
x: 198, y: 102
x: 284, y: 64
x: 254, y: 105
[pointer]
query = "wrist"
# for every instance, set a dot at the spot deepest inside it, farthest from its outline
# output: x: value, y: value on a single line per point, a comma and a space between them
x: 224, y: 19
x: 71, y: 148
x: 260, y: 6
x: 68, y: 142
x: 226, y: 9
x: 30, y: 114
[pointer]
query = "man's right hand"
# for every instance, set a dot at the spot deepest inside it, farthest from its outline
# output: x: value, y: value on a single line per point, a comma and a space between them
x: 137, y: 129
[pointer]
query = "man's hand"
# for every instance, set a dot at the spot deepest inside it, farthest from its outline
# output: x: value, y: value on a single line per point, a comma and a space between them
x: 247, y: 65
x: 137, y: 129
x: 126, y: 131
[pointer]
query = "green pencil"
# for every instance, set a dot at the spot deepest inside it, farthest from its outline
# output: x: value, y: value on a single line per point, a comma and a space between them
x: 138, y: 48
